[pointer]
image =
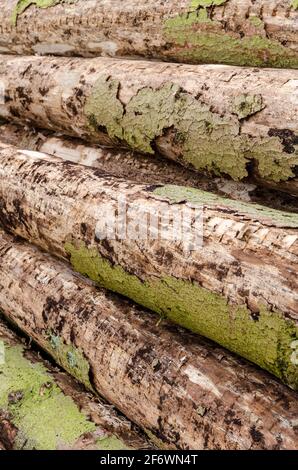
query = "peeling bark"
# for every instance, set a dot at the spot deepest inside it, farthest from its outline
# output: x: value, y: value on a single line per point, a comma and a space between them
x: 239, y: 289
x: 246, y: 32
x: 140, y: 168
x: 214, y: 119
x: 52, y: 401
x: 183, y: 390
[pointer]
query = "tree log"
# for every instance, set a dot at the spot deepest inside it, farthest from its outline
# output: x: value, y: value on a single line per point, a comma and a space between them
x: 140, y: 168
x: 42, y: 408
x: 186, y: 392
x: 217, y: 119
x: 239, y: 287
x: 246, y: 32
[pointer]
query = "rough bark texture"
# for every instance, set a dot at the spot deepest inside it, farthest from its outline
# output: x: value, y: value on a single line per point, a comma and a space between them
x: 239, y: 288
x: 186, y: 392
x: 217, y: 119
x: 240, y: 32
x: 140, y: 168
x: 43, y: 408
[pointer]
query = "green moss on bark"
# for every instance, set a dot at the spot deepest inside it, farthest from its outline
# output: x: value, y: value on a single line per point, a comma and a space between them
x: 46, y: 419
x: 177, y: 194
x: 214, y: 47
x: 70, y: 358
x: 197, y: 129
x: 266, y: 342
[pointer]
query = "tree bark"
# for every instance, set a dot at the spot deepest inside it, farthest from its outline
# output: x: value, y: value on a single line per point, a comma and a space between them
x: 140, y: 168
x: 238, y: 287
x: 246, y: 32
x: 43, y: 408
x: 214, y: 119
x: 186, y: 392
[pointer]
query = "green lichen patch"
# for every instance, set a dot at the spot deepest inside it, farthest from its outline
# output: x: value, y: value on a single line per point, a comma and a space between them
x: 266, y: 342
x: 256, y: 21
x: 22, y: 5
x: 46, y: 419
x: 198, y: 45
x: 294, y: 4
x: 246, y: 105
x: 205, y: 140
x: 70, y: 358
x: 200, y: 198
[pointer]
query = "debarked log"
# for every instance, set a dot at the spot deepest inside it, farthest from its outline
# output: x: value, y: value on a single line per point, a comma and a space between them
x: 140, y: 168
x: 246, y: 32
x: 220, y: 120
x: 43, y: 408
x: 222, y: 268
x: 184, y: 391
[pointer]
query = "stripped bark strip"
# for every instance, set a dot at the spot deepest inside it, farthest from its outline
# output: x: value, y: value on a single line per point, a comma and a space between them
x: 140, y: 168
x: 239, y: 289
x: 42, y: 408
x: 214, y: 119
x: 186, y: 392
x: 246, y: 32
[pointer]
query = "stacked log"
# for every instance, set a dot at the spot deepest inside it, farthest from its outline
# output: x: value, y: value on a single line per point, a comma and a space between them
x: 116, y: 232
x: 214, y: 119
x: 186, y: 392
x: 70, y: 210
x: 140, y: 168
x: 246, y: 32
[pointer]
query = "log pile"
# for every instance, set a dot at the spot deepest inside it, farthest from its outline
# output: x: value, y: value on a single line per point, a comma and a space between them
x: 149, y: 224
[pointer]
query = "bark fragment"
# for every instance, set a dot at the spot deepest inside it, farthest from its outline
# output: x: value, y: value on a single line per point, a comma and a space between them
x: 228, y: 290
x: 183, y: 390
x: 250, y: 32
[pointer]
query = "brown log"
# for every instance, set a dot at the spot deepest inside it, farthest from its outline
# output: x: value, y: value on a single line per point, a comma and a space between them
x: 43, y: 408
x: 216, y: 119
x: 140, y: 168
x: 238, y: 288
x: 245, y: 32
x: 185, y: 391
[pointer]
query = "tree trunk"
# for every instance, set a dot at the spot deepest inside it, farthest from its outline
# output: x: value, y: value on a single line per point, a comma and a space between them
x: 140, y: 168
x: 43, y: 408
x: 224, y: 269
x: 214, y: 119
x: 183, y: 390
x: 246, y: 32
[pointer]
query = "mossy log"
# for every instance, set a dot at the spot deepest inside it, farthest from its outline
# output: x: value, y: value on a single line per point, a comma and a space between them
x: 43, y: 408
x: 140, y: 168
x: 246, y: 32
x: 184, y: 391
x: 239, y: 287
x: 215, y: 119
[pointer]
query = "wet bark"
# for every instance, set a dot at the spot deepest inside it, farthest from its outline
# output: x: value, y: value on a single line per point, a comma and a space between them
x: 237, y: 32
x: 140, y: 168
x: 213, y: 119
x: 239, y: 287
x: 16, y: 434
x: 183, y: 390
